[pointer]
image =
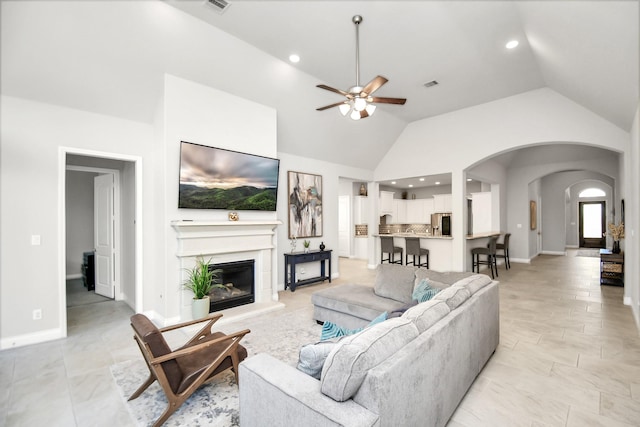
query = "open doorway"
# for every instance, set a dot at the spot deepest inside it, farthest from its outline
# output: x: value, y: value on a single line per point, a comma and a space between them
x: 592, y: 220
x: 102, y: 218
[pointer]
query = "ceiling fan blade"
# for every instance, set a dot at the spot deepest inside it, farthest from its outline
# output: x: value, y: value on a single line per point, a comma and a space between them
x: 372, y: 86
x: 399, y: 101
x: 331, y: 89
x: 326, y: 107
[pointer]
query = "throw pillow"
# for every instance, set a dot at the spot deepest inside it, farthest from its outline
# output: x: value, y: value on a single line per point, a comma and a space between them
x: 331, y: 330
x: 424, y: 292
x: 312, y: 356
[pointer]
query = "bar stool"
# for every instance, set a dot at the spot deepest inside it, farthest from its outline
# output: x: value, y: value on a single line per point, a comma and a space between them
x: 413, y: 248
x: 504, y: 246
x: 386, y: 244
x: 490, y: 252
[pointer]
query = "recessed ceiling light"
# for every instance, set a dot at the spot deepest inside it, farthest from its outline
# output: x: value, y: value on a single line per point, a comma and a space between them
x: 512, y: 44
x: 437, y: 182
x: 410, y: 185
x: 393, y: 182
x: 469, y: 180
x: 421, y: 179
x: 294, y: 58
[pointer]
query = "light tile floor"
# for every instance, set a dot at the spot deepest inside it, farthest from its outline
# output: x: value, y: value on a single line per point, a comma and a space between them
x: 569, y: 356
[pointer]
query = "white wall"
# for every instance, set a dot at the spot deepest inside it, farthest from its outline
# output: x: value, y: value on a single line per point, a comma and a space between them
x: 464, y: 138
x: 631, y: 241
x: 79, y: 212
x: 30, y: 156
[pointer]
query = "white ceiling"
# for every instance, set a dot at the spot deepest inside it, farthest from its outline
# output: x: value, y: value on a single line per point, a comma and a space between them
x: 110, y: 58
x: 585, y: 50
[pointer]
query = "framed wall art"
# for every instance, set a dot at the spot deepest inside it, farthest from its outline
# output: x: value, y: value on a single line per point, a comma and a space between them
x: 533, y: 214
x: 305, y: 205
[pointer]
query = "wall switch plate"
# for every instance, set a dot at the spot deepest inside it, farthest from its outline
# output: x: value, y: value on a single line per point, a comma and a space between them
x: 37, y: 314
x: 519, y: 225
x: 35, y: 240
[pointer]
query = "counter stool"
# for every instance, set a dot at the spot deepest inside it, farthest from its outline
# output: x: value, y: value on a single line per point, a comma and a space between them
x: 386, y: 243
x: 504, y: 246
x: 413, y: 248
x: 490, y: 252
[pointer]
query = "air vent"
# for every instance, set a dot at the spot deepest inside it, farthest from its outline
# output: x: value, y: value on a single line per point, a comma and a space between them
x: 431, y: 83
x: 219, y: 5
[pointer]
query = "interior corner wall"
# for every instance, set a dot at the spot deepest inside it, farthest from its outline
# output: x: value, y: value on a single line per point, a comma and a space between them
x: 204, y: 115
x: 632, y: 222
x: 29, y: 205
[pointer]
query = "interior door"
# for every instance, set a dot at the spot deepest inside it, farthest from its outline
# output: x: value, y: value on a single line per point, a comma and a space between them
x: 344, y: 226
x: 103, y: 188
x: 592, y: 225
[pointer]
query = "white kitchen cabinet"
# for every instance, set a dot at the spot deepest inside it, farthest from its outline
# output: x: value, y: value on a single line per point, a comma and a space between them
x: 360, y: 210
x: 416, y: 212
x: 442, y: 203
x: 386, y: 202
x: 399, y: 213
x: 428, y: 210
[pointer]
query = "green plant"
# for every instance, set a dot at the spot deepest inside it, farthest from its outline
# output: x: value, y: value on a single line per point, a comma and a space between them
x: 306, y: 243
x: 201, y: 280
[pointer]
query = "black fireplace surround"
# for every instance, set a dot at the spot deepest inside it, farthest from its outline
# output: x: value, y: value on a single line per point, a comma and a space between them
x: 236, y: 285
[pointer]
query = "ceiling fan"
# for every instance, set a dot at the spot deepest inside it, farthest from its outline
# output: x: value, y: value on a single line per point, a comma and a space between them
x: 359, y: 102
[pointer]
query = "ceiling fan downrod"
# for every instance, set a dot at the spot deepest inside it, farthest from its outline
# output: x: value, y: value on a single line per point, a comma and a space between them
x: 357, y: 19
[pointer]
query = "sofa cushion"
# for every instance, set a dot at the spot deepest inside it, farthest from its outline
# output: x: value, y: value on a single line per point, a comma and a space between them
x: 424, y: 292
x: 438, y: 279
x: 348, y: 364
x: 426, y: 314
x: 312, y: 356
x: 474, y: 283
x: 453, y: 296
x: 395, y: 282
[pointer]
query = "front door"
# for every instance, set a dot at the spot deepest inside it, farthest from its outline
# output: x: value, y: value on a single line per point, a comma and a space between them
x: 592, y: 225
x: 103, y: 214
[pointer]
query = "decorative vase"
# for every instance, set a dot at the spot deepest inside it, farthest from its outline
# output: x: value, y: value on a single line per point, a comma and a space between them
x: 363, y: 190
x: 616, y: 247
x: 322, y: 246
x: 306, y: 249
x: 200, y: 307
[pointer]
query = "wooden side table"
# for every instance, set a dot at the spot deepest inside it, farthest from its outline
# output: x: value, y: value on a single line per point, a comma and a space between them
x: 611, y: 268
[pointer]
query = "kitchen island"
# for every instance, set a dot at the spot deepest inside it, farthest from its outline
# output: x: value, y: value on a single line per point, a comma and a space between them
x: 440, y: 248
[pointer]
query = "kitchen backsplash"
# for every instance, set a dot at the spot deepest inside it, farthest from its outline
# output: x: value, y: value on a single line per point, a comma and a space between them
x: 403, y: 228
x: 362, y: 230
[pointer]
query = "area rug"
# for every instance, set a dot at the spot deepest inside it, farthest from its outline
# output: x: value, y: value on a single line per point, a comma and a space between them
x: 591, y: 253
x: 216, y: 403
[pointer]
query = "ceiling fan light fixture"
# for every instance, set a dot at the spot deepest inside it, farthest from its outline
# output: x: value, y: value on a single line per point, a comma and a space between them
x: 370, y: 109
x: 359, y: 103
x: 344, y: 108
x: 355, y: 114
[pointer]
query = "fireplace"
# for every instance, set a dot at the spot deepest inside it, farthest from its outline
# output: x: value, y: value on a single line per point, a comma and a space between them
x: 236, y: 284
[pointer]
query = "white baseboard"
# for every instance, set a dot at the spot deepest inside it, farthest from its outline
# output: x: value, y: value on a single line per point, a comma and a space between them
x: 626, y: 300
x: 561, y: 253
x: 520, y: 260
x: 74, y: 276
x: 572, y: 246
x: 32, y: 338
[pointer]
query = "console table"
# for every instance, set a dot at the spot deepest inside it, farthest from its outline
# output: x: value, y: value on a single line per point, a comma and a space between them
x: 292, y: 259
x: 611, y: 268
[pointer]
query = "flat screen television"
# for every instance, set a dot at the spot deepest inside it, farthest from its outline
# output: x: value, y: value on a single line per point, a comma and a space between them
x: 216, y: 178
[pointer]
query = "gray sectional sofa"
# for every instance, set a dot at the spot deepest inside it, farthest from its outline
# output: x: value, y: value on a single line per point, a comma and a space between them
x: 411, y: 370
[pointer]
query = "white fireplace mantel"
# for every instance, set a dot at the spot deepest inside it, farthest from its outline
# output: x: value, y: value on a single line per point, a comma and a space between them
x: 228, y: 241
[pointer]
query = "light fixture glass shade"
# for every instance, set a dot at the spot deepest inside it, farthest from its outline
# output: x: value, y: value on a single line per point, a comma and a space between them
x: 355, y: 114
x: 370, y: 109
x: 344, y: 109
x: 359, y: 103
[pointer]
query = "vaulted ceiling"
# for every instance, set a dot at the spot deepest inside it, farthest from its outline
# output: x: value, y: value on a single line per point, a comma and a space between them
x: 109, y: 58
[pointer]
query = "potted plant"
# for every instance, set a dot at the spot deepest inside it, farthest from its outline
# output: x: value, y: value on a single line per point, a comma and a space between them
x: 306, y: 244
x: 200, y: 281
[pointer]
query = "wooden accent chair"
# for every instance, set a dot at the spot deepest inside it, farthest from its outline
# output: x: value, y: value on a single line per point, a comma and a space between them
x: 181, y: 371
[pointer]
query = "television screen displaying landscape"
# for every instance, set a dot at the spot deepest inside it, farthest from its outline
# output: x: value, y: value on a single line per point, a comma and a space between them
x: 215, y: 178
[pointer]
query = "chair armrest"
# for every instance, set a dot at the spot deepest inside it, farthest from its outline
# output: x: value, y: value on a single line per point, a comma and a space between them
x: 235, y: 337
x: 212, y: 318
x: 294, y: 398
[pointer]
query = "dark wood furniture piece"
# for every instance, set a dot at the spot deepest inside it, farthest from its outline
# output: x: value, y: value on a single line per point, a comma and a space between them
x: 611, y: 268
x: 504, y: 247
x: 182, y: 371
x: 292, y: 259
x: 88, y: 270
